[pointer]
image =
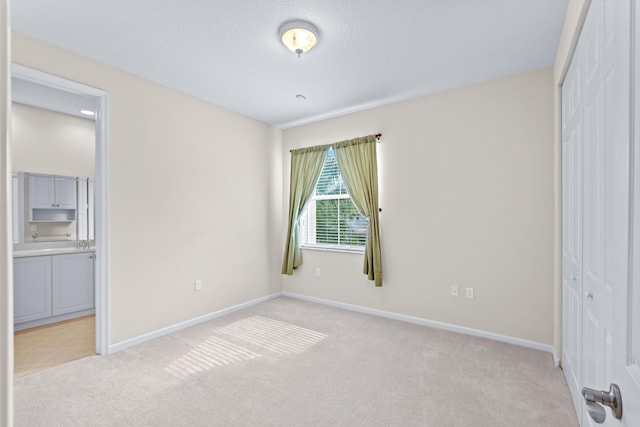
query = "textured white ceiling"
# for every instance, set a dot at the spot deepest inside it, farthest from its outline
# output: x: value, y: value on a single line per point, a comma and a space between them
x: 371, y: 52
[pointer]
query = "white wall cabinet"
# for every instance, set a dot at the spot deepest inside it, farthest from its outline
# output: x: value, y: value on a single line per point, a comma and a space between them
x: 72, y: 282
x: 52, y: 198
x: 65, y: 191
x: 46, y: 191
x: 52, y: 288
x: 31, y: 288
x: 41, y: 192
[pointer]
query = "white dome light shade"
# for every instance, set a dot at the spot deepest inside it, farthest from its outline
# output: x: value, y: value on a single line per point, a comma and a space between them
x: 298, y: 36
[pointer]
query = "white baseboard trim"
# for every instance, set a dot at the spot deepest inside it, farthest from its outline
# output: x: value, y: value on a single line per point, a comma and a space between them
x: 430, y: 323
x: 131, y: 342
x: 122, y: 345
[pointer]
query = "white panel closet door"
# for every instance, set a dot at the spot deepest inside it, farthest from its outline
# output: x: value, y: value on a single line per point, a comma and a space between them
x: 572, y: 228
x: 598, y: 311
x: 596, y: 292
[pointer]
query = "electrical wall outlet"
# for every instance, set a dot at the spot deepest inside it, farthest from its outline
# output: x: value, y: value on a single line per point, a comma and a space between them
x: 469, y: 293
x: 454, y: 290
x: 197, y: 285
x: 317, y: 272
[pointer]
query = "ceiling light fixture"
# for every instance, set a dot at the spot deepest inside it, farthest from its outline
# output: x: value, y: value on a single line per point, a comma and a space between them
x: 298, y: 36
x: 87, y: 112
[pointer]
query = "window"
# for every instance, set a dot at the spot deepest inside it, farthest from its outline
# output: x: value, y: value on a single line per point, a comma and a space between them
x: 331, y: 221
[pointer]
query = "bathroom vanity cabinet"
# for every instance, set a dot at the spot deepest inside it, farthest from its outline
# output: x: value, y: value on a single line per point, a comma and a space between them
x: 52, y: 288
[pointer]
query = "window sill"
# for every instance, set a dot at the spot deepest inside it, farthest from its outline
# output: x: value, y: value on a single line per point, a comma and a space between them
x: 334, y: 249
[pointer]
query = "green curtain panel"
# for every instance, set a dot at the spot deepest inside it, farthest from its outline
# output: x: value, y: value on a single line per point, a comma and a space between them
x: 306, y: 165
x: 358, y: 165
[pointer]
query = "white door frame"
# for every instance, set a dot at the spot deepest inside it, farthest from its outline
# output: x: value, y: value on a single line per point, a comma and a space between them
x: 626, y: 372
x: 6, y: 264
x: 101, y: 189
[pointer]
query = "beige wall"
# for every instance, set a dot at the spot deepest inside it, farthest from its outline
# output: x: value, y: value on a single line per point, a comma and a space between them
x: 48, y: 142
x: 190, y: 197
x: 576, y: 13
x: 466, y: 191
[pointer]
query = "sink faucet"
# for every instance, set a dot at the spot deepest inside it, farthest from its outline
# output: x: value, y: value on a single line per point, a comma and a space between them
x: 82, y: 244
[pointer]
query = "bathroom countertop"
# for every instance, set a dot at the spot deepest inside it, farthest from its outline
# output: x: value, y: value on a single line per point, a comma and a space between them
x: 22, y: 253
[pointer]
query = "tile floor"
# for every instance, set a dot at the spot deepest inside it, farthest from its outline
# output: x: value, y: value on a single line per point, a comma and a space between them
x: 47, y: 346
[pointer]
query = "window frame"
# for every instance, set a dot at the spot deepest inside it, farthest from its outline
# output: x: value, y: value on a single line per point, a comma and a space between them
x: 306, y: 217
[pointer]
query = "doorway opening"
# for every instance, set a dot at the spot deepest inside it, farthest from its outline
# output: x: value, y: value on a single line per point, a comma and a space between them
x: 41, y: 94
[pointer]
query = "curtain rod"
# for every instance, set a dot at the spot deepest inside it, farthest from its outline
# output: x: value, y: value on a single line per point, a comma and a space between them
x: 377, y: 136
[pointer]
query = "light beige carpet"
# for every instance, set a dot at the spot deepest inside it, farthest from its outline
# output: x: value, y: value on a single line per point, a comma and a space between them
x: 292, y: 363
